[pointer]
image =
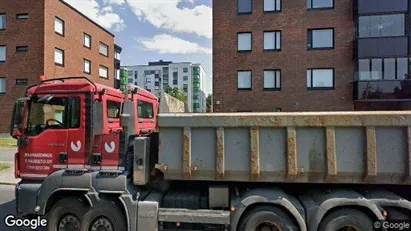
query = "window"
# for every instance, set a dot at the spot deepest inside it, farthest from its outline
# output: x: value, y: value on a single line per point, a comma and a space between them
x: 22, y: 82
x: 244, y: 80
x: 113, y: 109
x: 320, y: 79
x: 2, y: 85
x: 103, y: 72
x: 22, y: 48
x: 22, y: 16
x: 117, y: 55
x: 320, y: 4
x: 272, y: 5
x: 87, y: 66
x: 75, y: 106
x: 87, y: 40
x: 244, y: 42
x: 272, y: 80
x: 185, y: 70
x: 2, y: 53
x: 59, y: 57
x: 321, y: 39
x: 59, y: 26
x: 185, y: 87
x: 2, y: 21
x: 245, y: 6
x: 175, y: 78
x: 272, y: 40
x: 104, y: 49
x: 381, y: 26
x: 378, y: 69
x: 145, y: 110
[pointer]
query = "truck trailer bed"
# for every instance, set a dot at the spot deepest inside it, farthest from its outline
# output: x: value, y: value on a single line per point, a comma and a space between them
x: 318, y: 147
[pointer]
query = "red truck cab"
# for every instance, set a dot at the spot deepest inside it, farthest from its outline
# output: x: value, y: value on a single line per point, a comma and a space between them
x: 73, y: 123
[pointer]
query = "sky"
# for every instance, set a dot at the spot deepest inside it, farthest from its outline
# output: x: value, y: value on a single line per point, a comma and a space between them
x: 150, y: 30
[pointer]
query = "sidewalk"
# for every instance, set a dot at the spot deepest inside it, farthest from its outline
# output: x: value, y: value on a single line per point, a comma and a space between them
x: 7, y: 176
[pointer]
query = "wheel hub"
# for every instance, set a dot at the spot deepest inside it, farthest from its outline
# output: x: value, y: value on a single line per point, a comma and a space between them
x: 268, y: 226
x: 102, y: 224
x: 69, y: 223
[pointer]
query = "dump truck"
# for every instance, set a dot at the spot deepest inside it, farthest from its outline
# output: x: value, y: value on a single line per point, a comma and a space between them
x: 93, y: 158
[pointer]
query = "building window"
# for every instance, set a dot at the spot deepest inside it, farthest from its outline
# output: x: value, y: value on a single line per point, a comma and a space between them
x: 117, y: 56
x: 185, y: 78
x: 22, y: 16
x: 382, y: 69
x: 59, y: 57
x: 2, y: 54
x: 22, y: 82
x: 87, y: 41
x: 2, y: 85
x: 321, y: 79
x: 185, y: 87
x: 244, y: 80
x: 59, y: 26
x: 185, y: 70
x: 272, y: 40
x: 321, y: 39
x: 22, y: 48
x: 244, y: 42
x: 104, y: 49
x: 87, y: 66
x: 103, y: 72
x: 381, y: 26
x: 320, y: 4
x: 175, y: 78
x: 272, y: 80
x: 272, y: 5
x: 2, y: 21
x: 245, y: 6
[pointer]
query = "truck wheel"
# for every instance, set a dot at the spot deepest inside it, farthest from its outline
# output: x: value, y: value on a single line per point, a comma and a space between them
x: 347, y: 220
x: 267, y: 218
x: 104, y: 216
x: 66, y: 214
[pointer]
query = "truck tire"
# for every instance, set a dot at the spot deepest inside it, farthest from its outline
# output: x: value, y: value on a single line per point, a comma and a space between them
x: 267, y: 218
x: 66, y: 214
x: 347, y: 219
x: 104, y: 216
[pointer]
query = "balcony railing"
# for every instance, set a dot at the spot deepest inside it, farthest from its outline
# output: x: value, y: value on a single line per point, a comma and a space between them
x: 395, y: 90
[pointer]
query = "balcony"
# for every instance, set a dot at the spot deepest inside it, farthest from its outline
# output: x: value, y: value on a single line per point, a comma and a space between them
x: 381, y: 6
x: 381, y: 47
x: 386, y: 90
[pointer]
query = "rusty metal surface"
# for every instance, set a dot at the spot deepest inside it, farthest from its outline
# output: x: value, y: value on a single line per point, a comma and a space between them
x: 349, y: 147
x: 307, y: 119
x: 255, y: 154
x: 220, y: 170
x: 371, y: 155
x: 331, y: 155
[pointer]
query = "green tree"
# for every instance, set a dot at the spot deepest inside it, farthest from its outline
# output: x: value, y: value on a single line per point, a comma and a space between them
x: 177, y: 93
x: 209, y: 103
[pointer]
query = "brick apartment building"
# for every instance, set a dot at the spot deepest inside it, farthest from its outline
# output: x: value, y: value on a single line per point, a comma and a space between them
x: 311, y: 55
x: 50, y: 38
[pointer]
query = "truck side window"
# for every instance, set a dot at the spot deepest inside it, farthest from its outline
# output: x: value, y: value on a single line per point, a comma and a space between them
x: 145, y: 110
x: 113, y: 109
x: 74, y: 116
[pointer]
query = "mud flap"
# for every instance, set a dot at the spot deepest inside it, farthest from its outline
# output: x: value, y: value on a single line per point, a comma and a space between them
x: 147, y: 218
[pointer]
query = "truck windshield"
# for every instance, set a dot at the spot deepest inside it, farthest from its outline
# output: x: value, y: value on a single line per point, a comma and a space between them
x: 53, y: 114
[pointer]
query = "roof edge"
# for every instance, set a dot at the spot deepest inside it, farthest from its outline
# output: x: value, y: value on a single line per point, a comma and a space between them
x: 89, y: 19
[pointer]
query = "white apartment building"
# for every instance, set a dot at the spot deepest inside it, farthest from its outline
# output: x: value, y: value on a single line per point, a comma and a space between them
x: 157, y: 76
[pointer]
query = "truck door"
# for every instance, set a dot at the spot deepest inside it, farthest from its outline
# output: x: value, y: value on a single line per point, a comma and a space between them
x: 76, y: 133
x: 110, y: 147
x: 45, y: 138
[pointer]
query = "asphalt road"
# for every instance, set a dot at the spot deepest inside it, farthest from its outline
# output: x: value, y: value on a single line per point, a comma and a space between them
x: 7, y: 154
